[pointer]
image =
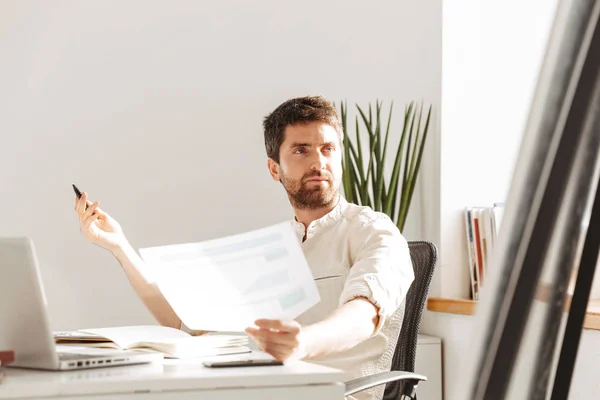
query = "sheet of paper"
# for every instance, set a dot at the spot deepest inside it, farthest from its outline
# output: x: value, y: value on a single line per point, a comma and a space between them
x: 226, y: 284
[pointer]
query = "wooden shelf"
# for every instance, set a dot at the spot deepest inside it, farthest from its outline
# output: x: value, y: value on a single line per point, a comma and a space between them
x: 592, y: 318
x: 451, y: 306
x: 467, y: 307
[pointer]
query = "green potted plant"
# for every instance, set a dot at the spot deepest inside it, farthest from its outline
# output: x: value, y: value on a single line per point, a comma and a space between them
x: 364, y: 176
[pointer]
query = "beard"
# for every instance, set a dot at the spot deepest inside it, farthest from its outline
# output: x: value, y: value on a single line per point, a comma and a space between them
x: 310, y: 196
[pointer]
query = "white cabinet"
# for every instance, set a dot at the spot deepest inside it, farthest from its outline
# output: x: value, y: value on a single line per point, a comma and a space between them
x: 429, y: 363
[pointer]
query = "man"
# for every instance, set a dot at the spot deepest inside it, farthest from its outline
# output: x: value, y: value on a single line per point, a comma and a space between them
x: 359, y: 259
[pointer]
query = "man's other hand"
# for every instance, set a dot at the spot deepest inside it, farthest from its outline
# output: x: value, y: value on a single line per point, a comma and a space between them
x: 284, y: 340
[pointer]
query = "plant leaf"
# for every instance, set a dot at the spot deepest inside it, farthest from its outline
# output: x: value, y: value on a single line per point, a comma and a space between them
x: 413, y: 157
x: 390, y: 207
x: 377, y: 172
x: 358, y: 181
x: 346, y: 171
x: 404, y: 193
x: 402, y: 221
x: 370, y: 169
x: 380, y: 196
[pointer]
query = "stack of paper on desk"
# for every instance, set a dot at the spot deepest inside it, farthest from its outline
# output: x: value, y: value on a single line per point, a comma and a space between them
x: 226, y: 284
x: 172, y: 342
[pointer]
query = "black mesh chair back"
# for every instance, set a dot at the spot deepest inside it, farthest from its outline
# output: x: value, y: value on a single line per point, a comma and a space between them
x: 424, y: 259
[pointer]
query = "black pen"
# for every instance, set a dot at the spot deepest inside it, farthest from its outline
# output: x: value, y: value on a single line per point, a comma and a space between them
x: 78, y: 193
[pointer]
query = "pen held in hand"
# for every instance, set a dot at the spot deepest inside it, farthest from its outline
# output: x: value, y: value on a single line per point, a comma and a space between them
x: 78, y: 193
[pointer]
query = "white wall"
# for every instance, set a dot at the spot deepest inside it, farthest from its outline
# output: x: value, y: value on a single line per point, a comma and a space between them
x: 156, y: 111
x: 585, y: 384
x: 492, y: 53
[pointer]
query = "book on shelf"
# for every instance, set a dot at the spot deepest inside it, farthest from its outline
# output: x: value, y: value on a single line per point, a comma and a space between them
x: 6, y: 357
x: 472, y: 254
x: 482, y: 225
x: 173, y: 343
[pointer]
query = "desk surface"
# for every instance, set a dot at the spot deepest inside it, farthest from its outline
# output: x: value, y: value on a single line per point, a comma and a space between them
x: 162, y: 376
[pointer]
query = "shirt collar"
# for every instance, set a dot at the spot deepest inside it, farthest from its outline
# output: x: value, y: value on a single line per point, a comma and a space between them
x: 316, y: 226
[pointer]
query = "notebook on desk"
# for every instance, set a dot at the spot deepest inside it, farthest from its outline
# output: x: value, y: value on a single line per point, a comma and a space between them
x: 173, y: 343
x: 24, y: 323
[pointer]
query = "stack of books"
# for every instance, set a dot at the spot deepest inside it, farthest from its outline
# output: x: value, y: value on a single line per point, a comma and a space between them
x: 6, y: 357
x: 482, y: 225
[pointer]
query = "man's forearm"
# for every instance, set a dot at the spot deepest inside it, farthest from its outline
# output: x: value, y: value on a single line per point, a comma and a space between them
x: 145, y: 288
x: 349, y: 325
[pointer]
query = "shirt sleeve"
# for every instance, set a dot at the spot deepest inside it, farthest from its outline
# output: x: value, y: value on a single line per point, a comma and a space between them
x: 382, y: 270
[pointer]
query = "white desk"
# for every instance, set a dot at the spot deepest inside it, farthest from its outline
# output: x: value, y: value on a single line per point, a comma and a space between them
x: 188, y: 379
x: 174, y: 379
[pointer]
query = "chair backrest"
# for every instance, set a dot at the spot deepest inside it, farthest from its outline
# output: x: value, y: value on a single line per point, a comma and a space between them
x: 424, y: 258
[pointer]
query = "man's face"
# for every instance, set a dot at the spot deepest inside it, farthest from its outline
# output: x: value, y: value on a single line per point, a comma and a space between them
x: 310, y: 165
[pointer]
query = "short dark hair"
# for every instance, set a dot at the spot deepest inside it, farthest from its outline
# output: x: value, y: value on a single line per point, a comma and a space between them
x: 301, y: 110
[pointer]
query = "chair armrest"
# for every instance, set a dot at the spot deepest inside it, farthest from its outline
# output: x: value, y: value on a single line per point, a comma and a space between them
x: 366, y: 382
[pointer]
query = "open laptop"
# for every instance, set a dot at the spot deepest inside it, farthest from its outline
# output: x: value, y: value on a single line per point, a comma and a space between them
x: 24, y: 324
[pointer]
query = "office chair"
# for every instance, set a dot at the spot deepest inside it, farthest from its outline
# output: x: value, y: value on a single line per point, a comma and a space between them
x: 401, y: 382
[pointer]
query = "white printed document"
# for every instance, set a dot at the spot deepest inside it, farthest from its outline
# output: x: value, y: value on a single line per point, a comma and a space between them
x: 226, y: 284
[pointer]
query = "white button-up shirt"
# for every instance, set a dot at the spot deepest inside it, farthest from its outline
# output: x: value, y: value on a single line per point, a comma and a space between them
x: 352, y: 252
